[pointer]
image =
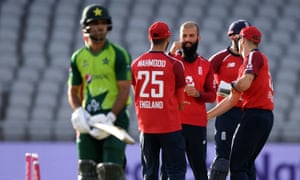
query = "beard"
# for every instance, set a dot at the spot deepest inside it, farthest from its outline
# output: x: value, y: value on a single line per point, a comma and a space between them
x: 97, y: 36
x: 236, y: 45
x: 189, y: 53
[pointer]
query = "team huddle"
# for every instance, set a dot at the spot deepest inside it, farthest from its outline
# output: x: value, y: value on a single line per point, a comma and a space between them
x: 171, y: 90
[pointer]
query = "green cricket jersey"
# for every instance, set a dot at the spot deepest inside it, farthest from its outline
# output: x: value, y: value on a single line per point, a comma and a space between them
x: 99, y: 73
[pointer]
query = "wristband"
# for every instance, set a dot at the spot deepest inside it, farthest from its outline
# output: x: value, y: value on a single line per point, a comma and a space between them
x: 233, y: 85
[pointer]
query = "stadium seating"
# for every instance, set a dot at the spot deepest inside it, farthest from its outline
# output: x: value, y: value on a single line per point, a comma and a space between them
x: 37, y: 38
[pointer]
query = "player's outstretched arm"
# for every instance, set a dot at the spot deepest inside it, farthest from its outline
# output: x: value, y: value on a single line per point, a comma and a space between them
x: 226, y: 104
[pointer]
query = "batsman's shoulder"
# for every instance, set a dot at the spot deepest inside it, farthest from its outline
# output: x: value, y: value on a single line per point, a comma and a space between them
x: 121, y: 52
x: 78, y: 52
x: 118, y: 47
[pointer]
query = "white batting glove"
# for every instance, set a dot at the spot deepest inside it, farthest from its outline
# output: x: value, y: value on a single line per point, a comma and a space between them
x: 79, y: 119
x: 224, y: 89
x: 97, y: 133
x: 99, y: 118
x: 111, y: 117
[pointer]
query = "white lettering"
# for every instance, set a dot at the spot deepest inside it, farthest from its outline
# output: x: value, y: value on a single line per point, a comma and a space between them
x: 151, y: 104
x: 152, y: 63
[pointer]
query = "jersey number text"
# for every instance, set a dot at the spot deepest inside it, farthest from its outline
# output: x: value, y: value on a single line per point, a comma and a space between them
x: 151, y: 78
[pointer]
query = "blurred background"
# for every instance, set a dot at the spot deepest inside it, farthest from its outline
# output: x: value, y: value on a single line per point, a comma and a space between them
x: 37, y: 38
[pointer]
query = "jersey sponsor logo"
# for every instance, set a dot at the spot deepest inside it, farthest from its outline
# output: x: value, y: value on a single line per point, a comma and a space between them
x: 93, y: 106
x: 152, y: 63
x: 93, y: 103
x: 101, y: 76
x: 200, y: 70
x: 189, y: 81
x: 231, y: 65
x: 88, y: 78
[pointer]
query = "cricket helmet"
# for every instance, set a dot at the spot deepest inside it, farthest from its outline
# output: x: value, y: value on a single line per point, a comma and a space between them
x: 236, y: 27
x: 95, y: 12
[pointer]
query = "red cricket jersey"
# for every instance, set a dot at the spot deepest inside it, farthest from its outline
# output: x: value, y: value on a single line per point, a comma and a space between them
x: 156, y: 76
x: 260, y: 94
x: 226, y: 66
x: 200, y: 75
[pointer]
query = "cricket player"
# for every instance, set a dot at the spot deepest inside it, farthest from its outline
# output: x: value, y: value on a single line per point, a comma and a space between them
x: 226, y: 64
x: 254, y: 86
x: 158, y: 83
x: 199, y: 90
x: 99, y: 84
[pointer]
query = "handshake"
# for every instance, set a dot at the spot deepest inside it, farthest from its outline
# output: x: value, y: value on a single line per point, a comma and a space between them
x: 83, y: 122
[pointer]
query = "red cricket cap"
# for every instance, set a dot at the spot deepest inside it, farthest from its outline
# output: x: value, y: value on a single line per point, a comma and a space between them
x: 252, y: 34
x: 159, y: 30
